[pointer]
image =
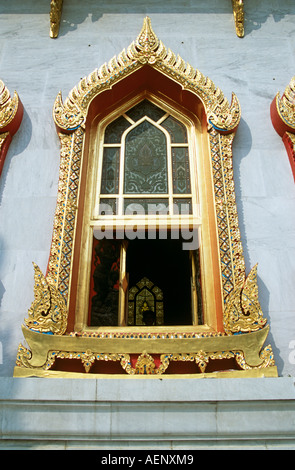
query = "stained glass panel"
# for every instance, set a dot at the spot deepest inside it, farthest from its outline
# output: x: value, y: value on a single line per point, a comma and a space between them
x: 146, y: 206
x: 145, y: 108
x: 182, y: 206
x: 110, y: 170
x: 180, y: 170
x: 176, y: 130
x: 146, y: 160
x: 114, y: 130
x: 107, y: 206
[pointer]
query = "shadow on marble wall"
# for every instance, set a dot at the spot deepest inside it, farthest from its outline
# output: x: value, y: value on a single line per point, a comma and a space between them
x: 256, y: 13
x: 2, y: 290
x: 264, y: 300
x: 76, y: 12
x: 242, y: 146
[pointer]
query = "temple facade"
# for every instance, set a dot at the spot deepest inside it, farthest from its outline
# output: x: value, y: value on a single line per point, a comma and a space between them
x: 147, y: 162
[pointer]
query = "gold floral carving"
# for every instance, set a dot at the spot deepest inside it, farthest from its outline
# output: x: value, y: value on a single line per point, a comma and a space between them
x: 145, y: 364
x: 48, y: 311
x: 146, y: 49
x: 286, y: 104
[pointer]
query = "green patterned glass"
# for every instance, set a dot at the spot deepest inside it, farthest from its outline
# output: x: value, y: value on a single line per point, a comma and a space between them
x: 146, y: 206
x: 145, y: 108
x: 176, y: 130
x: 115, y: 129
x: 107, y: 206
x: 182, y: 206
x: 180, y: 170
x: 145, y: 160
x: 110, y: 170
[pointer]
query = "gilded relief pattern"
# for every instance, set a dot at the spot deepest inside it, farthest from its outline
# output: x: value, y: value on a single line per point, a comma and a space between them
x: 145, y: 363
x: 230, y: 246
x: 8, y: 106
x: 59, y: 268
x: 285, y: 104
x: 147, y: 49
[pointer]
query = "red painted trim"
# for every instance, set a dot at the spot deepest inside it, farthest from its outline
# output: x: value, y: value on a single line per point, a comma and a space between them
x: 4, y: 150
x: 290, y: 151
x: 282, y: 128
x: 276, y: 119
x: 11, y: 128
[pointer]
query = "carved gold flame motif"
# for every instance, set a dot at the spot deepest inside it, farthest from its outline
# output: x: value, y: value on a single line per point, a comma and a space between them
x: 147, y: 48
x: 242, y: 308
x: 48, y: 311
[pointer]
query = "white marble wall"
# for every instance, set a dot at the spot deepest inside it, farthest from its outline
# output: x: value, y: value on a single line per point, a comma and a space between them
x: 147, y: 414
x: 203, y: 33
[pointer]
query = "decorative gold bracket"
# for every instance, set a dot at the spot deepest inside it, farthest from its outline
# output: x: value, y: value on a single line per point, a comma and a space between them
x: 55, y: 17
x: 238, y: 10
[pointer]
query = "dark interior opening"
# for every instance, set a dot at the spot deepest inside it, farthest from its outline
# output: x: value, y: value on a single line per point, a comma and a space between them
x: 166, y: 264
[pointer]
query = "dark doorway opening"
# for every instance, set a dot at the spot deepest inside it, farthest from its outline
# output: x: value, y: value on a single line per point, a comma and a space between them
x: 166, y: 264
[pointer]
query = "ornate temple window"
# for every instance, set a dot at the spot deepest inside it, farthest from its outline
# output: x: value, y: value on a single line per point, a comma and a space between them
x: 146, y: 149
x: 145, y: 189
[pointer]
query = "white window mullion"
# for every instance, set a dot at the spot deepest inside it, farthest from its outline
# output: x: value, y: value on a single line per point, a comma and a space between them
x: 121, y: 179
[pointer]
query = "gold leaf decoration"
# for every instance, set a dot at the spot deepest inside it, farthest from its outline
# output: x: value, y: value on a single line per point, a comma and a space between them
x: 145, y: 364
x: 8, y: 106
x: 242, y: 308
x: 146, y: 49
x: 48, y: 312
x: 286, y: 104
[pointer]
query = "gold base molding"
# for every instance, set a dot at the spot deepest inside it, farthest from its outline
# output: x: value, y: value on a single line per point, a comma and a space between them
x: 245, y: 349
x: 20, y: 372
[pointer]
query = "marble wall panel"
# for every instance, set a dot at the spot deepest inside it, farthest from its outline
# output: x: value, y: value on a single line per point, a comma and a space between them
x: 203, y: 33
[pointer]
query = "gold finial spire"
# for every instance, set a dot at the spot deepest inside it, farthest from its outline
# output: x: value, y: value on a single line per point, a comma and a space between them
x: 147, y: 40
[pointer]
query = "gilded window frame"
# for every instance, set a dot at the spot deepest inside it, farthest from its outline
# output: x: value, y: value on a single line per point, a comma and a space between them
x: 244, y: 328
x: 141, y: 222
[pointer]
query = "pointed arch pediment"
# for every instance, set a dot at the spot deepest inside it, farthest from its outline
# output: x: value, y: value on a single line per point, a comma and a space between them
x: 147, y: 50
